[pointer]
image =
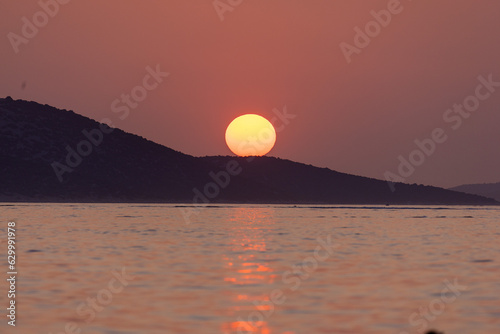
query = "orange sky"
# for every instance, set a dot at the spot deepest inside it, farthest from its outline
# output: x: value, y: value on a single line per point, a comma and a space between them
x: 356, y: 117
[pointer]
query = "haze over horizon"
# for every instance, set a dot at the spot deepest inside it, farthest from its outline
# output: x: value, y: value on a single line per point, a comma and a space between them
x: 353, y: 114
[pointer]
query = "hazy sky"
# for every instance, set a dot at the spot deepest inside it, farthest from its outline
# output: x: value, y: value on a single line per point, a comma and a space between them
x: 356, y: 117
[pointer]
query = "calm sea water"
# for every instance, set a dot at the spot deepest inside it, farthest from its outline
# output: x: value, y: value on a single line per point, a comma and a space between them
x: 116, y: 268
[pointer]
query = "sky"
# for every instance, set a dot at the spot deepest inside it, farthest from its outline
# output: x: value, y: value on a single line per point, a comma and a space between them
x: 362, y: 82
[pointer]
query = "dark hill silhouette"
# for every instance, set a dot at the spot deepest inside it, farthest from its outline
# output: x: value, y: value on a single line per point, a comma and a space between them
x: 122, y: 167
x: 491, y: 190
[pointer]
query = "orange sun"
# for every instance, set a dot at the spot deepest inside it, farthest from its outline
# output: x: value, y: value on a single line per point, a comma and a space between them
x: 250, y: 135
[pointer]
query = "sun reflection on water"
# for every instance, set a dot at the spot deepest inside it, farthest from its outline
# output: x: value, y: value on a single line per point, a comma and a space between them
x: 248, y: 268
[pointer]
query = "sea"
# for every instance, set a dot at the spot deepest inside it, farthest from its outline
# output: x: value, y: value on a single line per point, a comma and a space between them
x: 266, y: 269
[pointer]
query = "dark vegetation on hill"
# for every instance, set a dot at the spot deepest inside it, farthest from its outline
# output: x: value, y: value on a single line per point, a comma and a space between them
x: 35, y: 141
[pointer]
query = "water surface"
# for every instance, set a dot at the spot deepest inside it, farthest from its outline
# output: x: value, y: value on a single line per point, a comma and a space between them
x: 255, y: 269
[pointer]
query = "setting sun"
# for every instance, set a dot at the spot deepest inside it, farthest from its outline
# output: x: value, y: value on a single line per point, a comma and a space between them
x: 250, y: 135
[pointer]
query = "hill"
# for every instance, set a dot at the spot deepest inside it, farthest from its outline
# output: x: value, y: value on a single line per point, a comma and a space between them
x: 491, y: 190
x: 52, y: 155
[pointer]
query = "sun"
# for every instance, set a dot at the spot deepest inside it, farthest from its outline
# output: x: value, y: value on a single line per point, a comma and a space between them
x: 250, y: 135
